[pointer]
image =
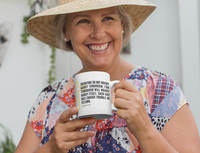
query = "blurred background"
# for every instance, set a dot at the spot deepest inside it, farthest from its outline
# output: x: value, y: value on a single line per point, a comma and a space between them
x: 168, y: 41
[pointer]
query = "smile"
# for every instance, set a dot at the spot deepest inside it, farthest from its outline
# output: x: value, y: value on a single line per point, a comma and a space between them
x: 98, y: 47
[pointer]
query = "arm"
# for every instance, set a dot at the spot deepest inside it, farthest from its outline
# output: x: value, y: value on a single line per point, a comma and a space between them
x: 29, y: 141
x: 179, y: 135
x: 65, y: 135
x: 173, y: 137
x: 184, y: 136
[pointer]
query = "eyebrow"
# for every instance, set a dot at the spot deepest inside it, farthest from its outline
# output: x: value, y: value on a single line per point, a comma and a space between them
x: 89, y: 16
x: 108, y: 13
x: 80, y: 15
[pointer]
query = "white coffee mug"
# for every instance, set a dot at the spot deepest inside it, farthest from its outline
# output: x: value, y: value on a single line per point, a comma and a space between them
x: 93, y: 95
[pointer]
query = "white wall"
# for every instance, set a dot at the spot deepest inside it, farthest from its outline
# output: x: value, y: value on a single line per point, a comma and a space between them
x: 155, y: 45
x: 190, y: 53
x: 67, y: 64
x: 24, y: 70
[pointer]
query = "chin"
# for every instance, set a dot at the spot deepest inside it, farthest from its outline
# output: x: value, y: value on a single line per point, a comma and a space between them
x: 101, y: 66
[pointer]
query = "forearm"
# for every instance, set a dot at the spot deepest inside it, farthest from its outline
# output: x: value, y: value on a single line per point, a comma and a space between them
x: 152, y: 141
x: 45, y: 148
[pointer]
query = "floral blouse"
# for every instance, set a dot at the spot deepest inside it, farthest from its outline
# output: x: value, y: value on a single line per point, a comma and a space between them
x: 161, y: 95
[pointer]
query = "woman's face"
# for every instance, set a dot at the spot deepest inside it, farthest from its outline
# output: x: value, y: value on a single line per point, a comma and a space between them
x: 96, y: 37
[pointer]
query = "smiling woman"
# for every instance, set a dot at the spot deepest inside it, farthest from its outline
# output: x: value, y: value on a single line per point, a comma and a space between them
x: 62, y: 19
x: 153, y: 115
x: 96, y: 37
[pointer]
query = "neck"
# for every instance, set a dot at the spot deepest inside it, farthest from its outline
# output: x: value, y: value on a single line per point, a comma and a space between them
x: 118, y: 70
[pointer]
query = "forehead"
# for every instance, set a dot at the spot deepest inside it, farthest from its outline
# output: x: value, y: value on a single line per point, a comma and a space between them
x: 99, y: 11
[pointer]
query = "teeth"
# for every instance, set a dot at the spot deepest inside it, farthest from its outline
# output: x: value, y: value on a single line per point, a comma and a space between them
x: 98, y: 48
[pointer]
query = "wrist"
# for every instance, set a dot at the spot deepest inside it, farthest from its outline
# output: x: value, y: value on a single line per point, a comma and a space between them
x: 151, y: 140
x: 50, y: 147
x: 146, y: 134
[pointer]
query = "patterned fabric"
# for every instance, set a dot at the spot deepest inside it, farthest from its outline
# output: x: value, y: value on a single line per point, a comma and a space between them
x: 161, y: 95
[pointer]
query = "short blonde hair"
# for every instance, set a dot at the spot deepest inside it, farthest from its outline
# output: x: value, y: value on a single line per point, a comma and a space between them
x: 62, y: 19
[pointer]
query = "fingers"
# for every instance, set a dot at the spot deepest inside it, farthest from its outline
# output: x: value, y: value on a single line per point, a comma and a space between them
x: 75, y: 143
x: 66, y: 134
x: 126, y: 85
x: 72, y: 125
x: 122, y: 113
x: 126, y: 90
x: 121, y: 103
x: 64, y: 146
x: 121, y: 93
x: 64, y: 117
x: 76, y: 135
x: 76, y: 124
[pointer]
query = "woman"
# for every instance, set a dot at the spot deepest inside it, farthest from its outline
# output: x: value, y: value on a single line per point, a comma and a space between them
x: 153, y: 115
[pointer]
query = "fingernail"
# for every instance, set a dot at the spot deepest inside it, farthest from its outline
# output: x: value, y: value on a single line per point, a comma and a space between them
x: 92, y: 121
x: 74, y: 109
x: 92, y: 132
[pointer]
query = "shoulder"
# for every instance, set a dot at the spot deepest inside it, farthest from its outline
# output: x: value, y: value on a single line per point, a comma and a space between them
x: 51, y: 89
x: 163, y: 84
x: 45, y: 95
x: 154, y: 81
x: 151, y: 79
x: 57, y: 86
x: 165, y: 98
x: 160, y: 86
x: 161, y: 94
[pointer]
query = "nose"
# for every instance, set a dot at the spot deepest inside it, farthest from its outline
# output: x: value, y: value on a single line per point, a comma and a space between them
x: 98, y: 31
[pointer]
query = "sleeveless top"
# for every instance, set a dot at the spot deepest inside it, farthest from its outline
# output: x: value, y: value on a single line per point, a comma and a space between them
x: 161, y: 95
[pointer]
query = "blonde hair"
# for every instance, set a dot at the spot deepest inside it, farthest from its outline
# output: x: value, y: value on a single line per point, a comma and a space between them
x: 62, y: 19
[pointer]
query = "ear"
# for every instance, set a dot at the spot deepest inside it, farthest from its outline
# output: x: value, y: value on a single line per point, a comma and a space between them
x: 66, y: 35
x: 122, y: 24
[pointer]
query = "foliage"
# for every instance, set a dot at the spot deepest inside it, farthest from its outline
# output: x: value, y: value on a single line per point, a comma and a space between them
x: 52, y: 71
x: 25, y: 35
x: 7, y: 146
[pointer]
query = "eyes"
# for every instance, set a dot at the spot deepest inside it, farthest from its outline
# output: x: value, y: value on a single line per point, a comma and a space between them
x: 108, y: 18
x: 85, y: 21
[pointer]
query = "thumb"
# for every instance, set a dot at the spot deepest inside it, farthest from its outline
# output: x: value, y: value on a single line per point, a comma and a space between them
x: 65, y: 116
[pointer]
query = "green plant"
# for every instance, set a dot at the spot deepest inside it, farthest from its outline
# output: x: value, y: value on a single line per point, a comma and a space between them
x: 7, y: 145
x: 25, y: 34
x: 52, y: 71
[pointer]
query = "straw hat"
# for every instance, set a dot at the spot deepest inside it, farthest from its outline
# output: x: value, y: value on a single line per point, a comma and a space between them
x: 42, y: 26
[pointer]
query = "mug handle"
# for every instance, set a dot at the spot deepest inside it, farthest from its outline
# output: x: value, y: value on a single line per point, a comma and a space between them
x: 111, y: 84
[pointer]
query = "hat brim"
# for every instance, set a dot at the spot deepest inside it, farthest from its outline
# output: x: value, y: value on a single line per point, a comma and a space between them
x: 43, y: 25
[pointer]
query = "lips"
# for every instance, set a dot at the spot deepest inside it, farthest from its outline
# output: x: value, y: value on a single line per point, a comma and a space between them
x: 98, y: 47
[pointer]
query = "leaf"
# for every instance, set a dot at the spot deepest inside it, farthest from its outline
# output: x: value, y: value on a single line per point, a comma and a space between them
x: 49, y: 72
x: 7, y: 145
x: 24, y: 39
x: 52, y: 71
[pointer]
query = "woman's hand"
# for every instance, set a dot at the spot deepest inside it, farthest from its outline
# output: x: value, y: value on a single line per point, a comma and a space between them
x: 66, y: 134
x: 132, y: 109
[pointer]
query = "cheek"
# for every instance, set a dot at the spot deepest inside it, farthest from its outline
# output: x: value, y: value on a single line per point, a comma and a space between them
x: 118, y: 37
x: 116, y: 32
x: 78, y: 37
